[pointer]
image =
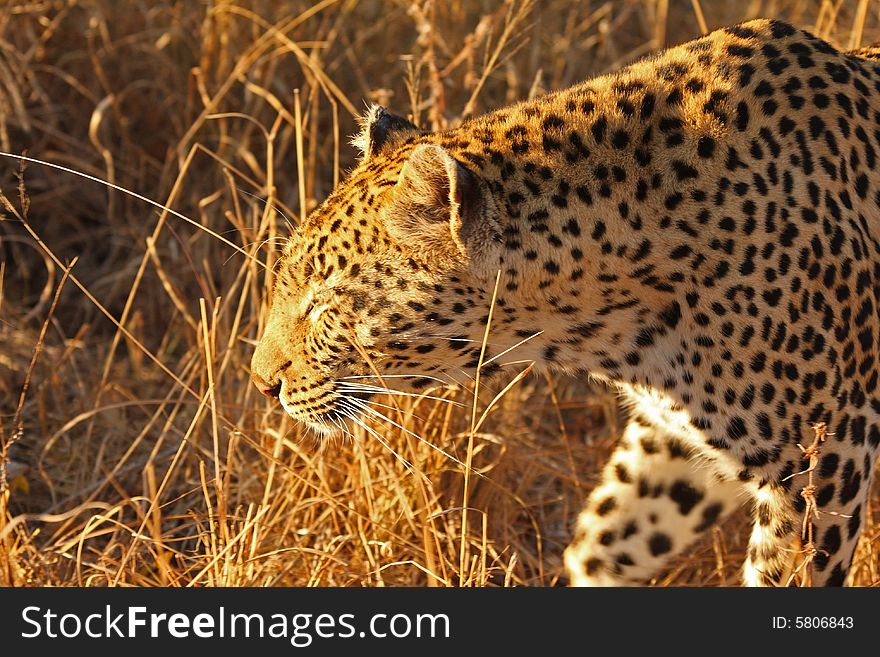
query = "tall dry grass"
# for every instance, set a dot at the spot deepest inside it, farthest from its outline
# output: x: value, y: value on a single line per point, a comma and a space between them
x: 136, y: 451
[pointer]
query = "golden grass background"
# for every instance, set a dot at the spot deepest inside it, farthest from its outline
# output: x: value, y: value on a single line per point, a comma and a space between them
x: 136, y: 450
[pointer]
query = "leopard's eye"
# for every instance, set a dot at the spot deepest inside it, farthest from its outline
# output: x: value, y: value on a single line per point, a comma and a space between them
x: 316, y: 305
x: 309, y: 304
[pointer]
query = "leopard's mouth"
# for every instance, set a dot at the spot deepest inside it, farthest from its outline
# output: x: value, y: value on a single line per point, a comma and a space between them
x: 334, y: 415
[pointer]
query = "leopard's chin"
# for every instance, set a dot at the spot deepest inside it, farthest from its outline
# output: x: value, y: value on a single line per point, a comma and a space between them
x: 331, y: 430
x: 325, y: 423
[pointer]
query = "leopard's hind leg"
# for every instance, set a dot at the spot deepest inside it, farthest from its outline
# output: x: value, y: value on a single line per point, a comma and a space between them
x: 827, y: 504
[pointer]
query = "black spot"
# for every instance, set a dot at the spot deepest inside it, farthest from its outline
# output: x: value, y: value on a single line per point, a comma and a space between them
x: 825, y: 494
x: 673, y: 200
x: 862, y: 186
x: 852, y: 483
x: 837, y: 577
x: 671, y: 315
x: 593, y: 565
x: 645, y: 337
x: 828, y: 465
x: 552, y: 121
x: 684, y: 171
x: 735, y: 50
x: 648, y: 103
x: 586, y: 329
x: 831, y: 540
x: 780, y: 29
x: 606, y: 506
x: 788, y: 234
x: 624, y: 559
x: 772, y: 296
x: 706, y: 147
x: 742, y: 116
x: 649, y: 445
x: 659, y: 543
x: 854, y: 523
x: 620, y: 139
x: 710, y: 516
x: 599, y: 128
x: 756, y: 459
x: 736, y: 428
x: 765, y: 429
x: 685, y: 496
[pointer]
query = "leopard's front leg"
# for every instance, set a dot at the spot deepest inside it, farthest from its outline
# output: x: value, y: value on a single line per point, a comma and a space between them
x: 654, y: 499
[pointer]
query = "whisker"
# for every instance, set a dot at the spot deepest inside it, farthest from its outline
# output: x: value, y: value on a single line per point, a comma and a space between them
x: 323, y: 423
x: 394, y: 376
x: 467, y: 375
x: 359, y: 387
x: 344, y: 410
x: 140, y: 197
x: 372, y: 386
x: 274, y: 207
x: 341, y: 425
x: 382, y: 416
x: 448, y: 336
x: 400, y: 376
x: 262, y: 243
x: 516, y: 362
x: 375, y: 403
x: 509, y: 349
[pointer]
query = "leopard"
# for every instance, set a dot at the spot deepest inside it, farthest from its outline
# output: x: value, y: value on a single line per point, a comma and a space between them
x: 698, y: 231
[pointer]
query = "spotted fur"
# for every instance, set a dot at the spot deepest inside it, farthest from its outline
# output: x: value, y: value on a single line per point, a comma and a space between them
x: 699, y: 231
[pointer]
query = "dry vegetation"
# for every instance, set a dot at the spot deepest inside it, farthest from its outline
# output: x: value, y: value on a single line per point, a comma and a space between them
x: 138, y: 452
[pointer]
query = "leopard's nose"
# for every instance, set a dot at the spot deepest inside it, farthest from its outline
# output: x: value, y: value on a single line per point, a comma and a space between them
x: 266, y: 367
x: 267, y: 388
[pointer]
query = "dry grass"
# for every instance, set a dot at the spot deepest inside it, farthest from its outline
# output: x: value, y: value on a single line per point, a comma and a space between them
x: 140, y: 453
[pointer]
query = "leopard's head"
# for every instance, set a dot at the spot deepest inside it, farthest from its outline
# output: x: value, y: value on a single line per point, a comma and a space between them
x: 392, y: 275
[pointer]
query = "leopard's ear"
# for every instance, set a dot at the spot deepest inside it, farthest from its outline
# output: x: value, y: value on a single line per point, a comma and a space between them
x: 441, y: 206
x: 380, y: 128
